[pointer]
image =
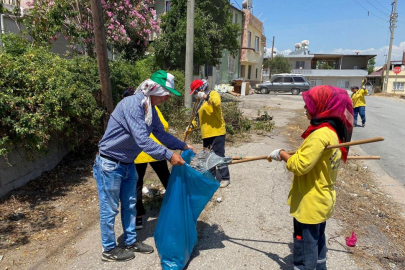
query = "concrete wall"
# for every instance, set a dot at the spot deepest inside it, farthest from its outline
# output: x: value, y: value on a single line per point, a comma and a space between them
x: 334, y: 80
x: 400, y: 78
x: 22, y: 171
x: 229, y: 67
x: 253, y: 78
x: 293, y: 61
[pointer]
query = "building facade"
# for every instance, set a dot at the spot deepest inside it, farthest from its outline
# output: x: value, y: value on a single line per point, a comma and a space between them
x: 396, y: 81
x: 339, y: 70
x: 228, y: 70
x: 252, y: 50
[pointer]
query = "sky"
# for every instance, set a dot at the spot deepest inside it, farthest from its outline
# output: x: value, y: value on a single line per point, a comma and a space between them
x: 332, y: 26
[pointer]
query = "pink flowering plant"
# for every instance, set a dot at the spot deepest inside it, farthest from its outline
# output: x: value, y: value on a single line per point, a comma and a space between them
x: 128, y: 23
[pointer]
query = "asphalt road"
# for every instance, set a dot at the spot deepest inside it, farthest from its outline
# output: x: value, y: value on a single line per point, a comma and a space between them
x: 385, y: 117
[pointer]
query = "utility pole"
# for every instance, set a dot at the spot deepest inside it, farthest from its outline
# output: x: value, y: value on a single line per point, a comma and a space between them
x: 102, y: 59
x: 393, y: 20
x: 189, y: 52
x: 271, y: 57
x: 272, y: 48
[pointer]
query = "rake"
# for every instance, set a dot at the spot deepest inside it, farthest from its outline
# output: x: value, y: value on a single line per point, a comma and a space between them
x: 193, y: 116
x: 206, y: 160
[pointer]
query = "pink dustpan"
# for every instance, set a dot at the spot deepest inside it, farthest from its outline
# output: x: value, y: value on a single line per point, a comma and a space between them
x: 351, y: 241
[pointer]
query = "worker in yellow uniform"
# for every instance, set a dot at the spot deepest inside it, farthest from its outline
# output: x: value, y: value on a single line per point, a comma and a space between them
x: 312, y: 195
x: 359, y: 104
x: 211, y: 122
x: 141, y: 162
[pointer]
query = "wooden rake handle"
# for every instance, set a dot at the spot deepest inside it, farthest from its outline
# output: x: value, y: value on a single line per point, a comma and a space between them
x: 236, y: 160
x: 191, y: 118
x: 247, y: 159
x: 371, y: 140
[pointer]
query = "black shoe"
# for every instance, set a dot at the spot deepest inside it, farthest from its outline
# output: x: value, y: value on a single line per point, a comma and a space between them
x: 117, y: 255
x: 140, y: 247
x: 138, y: 223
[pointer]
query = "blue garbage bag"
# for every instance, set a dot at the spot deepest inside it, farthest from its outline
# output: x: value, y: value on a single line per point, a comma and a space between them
x: 188, y: 192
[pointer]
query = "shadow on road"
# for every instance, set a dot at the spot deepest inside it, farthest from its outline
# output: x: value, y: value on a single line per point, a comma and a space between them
x: 212, y: 237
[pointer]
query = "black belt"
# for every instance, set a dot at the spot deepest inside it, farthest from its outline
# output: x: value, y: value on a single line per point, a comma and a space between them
x: 114, y: 160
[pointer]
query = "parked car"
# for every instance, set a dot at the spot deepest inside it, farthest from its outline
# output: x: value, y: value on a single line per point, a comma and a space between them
x: 294, y: 83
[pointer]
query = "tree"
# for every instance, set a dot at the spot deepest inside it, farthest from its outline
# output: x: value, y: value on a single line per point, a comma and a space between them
x: 324, y: 65
x: 370, y: 65
x: 278, y: 64
x: 128, y: 24
x: 213, y: 32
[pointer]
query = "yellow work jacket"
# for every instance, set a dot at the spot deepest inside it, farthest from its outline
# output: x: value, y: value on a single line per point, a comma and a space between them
x: 143, y: 157
x: 312, y: 196
x: 358, y: 98
x: 210, y: 116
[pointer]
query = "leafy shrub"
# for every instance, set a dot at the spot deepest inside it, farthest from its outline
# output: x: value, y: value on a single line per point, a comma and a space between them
x: 43, y: 94
x: 124, y: 73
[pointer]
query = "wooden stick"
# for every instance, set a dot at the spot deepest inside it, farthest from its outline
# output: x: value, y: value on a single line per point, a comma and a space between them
x: 191, y: 118
x: 237, y: 160
x: 265, y: 157
x: 363, y: 157
x: 247, y: 159
x: 371, y: 140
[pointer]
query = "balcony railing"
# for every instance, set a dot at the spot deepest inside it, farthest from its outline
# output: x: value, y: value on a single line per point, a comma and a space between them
x: 331, y: 72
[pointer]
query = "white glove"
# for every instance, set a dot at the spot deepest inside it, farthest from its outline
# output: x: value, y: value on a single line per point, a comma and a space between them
x: 200, y: 95
x: 275, y: 155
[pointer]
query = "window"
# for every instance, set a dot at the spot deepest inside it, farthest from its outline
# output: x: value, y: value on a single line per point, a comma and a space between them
x: 345, y: 84
x: 168, y: 4
x: 315, y: 82
x: 235, y: 18
x: 249, y: 39
x: 299, y: 64
x: 299, y: 79
x: 257, y: 41
x: 398, y: 86
x: 256, y: 73
x: 208, y: 70
x: 278, y: 79
x: 242, y: 71
x: 288, y: 79
x: 249, y: 71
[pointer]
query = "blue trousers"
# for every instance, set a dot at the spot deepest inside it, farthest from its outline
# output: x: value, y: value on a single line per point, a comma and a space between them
x: 116, y: 182
x: 362, y: 111
x: 309, y: 246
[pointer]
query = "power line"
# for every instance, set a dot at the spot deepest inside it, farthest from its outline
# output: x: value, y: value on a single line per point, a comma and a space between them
x: 369, y: 11
x: 237, y: 4
x: 378, y: 8
x: 382, y: 5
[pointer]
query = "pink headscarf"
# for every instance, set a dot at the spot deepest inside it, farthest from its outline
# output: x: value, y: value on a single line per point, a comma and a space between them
x: 330, y: 106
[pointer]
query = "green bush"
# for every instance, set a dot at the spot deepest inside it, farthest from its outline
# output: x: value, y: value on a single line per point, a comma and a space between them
x: 124, y: 73
x: 173, y: 110
x: 43, y: 94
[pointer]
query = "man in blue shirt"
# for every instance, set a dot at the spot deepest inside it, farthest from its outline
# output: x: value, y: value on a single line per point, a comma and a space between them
x: 127, y: 135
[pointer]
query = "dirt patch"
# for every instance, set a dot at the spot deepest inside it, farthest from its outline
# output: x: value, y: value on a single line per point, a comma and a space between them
x: 363, y: 208
x: 46, y: 215
x: 390, y: 95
